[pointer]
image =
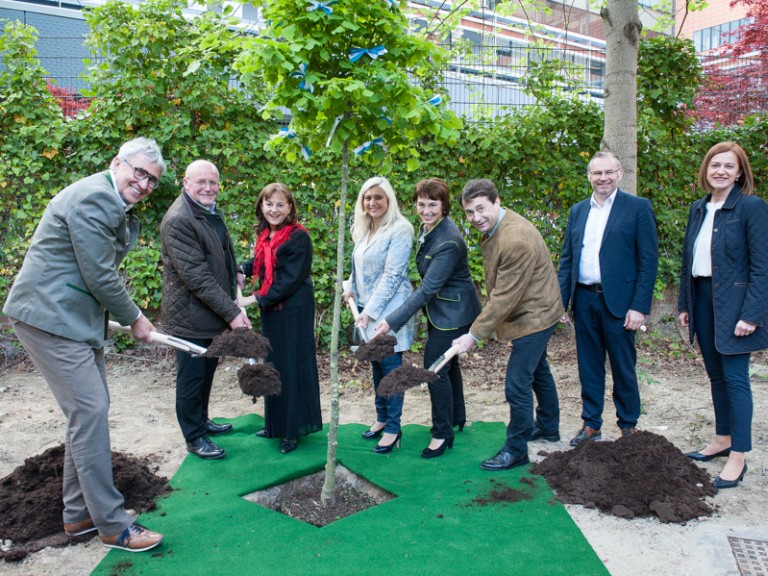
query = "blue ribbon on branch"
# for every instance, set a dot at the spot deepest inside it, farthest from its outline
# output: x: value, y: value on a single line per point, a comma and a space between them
x: 435, y: 100
x: 290, y: 133
x: 392, y: 3
x: 302, y: 73
x: 356, y: 53
x: 333, y: 130
x: 365, y: 146
x: 324, y: 6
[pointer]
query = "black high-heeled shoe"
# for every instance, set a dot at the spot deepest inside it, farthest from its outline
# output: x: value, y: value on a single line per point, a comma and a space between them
x: 379, y: 449
x: 460, y: 425
x: 428, y: 453
x: 720, y: 484
x: 371, y: 434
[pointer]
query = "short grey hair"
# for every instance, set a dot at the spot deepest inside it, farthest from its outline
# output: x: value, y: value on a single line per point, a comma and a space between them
x: 604, y: 154
x: 146, y: 147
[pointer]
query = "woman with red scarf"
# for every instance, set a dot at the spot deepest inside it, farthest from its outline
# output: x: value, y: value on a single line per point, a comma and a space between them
x: 282, y: 262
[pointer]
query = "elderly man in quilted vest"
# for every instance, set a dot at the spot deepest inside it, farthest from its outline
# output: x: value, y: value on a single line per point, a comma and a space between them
x: 199, y: 291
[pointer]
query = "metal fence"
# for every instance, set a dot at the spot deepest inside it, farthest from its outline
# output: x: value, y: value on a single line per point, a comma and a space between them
x: 484, y: 81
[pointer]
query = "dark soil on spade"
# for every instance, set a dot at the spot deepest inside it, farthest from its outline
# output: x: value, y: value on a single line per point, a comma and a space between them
x: 639, y: 476
x: 31, y: 500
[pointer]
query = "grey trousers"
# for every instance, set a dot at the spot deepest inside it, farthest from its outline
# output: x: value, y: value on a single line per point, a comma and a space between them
x: 77, y: 376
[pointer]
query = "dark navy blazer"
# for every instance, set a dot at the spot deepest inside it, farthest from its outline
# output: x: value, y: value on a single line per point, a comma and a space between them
x: 629, y: 254
x: 739, y: 270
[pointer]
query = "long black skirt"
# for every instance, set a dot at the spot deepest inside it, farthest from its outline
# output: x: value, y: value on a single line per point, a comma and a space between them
x: 296, y: 410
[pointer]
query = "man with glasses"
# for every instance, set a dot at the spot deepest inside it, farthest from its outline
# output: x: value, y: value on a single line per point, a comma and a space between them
x: 58, y: 306
x: 607, y: 274
x: 199, y: 291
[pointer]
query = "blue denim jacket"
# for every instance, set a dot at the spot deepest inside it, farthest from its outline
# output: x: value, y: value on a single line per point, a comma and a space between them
x: 385, y: 273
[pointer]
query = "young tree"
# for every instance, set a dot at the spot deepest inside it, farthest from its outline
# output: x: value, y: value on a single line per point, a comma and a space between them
x: 353, y: 80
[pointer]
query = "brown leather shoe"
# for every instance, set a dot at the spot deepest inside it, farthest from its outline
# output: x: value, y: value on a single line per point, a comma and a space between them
x: 135, y: 538
x: 86, y: 526
x: 585, y: 434
x: 627, y: 432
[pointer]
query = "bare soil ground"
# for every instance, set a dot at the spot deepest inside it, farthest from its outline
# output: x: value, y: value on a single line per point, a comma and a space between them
x: 676, y: 405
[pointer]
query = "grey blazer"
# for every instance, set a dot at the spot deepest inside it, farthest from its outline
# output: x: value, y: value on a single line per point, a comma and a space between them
x: 69, y: 277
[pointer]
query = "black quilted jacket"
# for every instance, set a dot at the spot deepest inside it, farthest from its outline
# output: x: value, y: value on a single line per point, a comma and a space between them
x: 198, y: 292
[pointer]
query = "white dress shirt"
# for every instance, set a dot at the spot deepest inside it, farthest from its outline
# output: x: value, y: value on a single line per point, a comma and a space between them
x: 589, y: 262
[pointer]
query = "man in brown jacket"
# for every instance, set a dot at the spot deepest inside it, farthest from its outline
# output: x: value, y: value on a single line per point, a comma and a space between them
x: 524, y: 305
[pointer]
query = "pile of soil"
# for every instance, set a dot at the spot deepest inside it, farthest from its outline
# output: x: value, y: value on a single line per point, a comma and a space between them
x: 259, y: 380
x: 240, y: 343
x: 404, y: 377
x: 378, y: 348
x: 638, y: 476
x: 31, y: 500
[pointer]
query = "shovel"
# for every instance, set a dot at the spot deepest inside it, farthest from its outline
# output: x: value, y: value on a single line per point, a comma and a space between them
x: 172, y: 341
x: 355, y: 315
x: 443, y: 359
x: 251, y: 361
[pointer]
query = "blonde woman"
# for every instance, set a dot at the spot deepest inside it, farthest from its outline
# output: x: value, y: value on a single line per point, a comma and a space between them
x: 379, y: 284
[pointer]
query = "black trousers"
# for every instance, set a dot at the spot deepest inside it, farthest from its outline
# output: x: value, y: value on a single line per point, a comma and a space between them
x: 447, y: 392
x: 194, y: 379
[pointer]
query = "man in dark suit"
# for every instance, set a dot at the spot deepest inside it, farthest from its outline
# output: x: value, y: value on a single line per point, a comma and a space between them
x: 607, y: 274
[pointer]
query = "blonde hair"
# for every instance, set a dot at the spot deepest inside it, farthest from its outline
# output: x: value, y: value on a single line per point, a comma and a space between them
x: 362, y: 222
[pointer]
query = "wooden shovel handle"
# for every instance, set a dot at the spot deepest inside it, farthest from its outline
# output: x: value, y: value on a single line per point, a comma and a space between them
x: 172, y: 341
x: 444, y: 359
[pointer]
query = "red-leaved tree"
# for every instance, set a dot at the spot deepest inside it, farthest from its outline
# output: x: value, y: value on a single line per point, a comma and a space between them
x: 736, y: 74
x: 70, y: 102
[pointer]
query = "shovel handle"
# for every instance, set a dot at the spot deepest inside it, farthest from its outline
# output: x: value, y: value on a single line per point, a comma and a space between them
x: 171, y: 341
x: 444, y: 359
x: 355, y: 315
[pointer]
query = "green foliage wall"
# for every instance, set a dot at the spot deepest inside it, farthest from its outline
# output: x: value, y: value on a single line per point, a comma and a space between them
x: 149, y: 86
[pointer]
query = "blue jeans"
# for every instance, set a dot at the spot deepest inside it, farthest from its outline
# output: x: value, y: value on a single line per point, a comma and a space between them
x: 528, y: 373
x: 728, y: 374
x: 388, y: 410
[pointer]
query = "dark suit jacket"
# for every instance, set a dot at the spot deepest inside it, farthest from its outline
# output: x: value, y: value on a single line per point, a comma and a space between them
x: 629, y: 254
x: 447, y: 293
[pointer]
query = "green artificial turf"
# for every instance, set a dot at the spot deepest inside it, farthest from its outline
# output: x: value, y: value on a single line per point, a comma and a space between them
x: 435, y: 525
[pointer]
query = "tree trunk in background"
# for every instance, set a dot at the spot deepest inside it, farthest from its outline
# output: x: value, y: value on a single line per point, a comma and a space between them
x: 622, y: 38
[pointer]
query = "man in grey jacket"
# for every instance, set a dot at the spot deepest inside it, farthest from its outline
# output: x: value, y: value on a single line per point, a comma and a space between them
x: 199, y: 284
x: 58, y: 307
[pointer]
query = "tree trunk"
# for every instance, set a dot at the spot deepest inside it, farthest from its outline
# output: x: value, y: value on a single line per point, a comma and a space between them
x: 622, y: 38
x: 328, y: 494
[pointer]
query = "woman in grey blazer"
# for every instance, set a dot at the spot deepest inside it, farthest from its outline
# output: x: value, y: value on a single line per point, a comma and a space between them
x: 379, y: 284
x: 449, y: 300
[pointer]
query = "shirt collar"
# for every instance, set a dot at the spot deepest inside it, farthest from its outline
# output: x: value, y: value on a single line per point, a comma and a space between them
x: 113, y: 181
x: 608, y: 201
x: 501, y: 216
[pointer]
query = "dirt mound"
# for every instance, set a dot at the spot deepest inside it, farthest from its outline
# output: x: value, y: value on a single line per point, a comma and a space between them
x: 404, y: 377
x: 241, y: 343
x: 378, y: 348
x: 641, y: 475
x: 31, y: 505
x: 259, y: 380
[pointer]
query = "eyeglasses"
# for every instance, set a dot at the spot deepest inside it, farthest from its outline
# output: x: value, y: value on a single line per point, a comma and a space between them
x: 203, y: 182
x: 141, y: 174
x: 606, y: 173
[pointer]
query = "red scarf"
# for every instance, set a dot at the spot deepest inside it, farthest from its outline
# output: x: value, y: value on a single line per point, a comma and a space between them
x: 265, y: 254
